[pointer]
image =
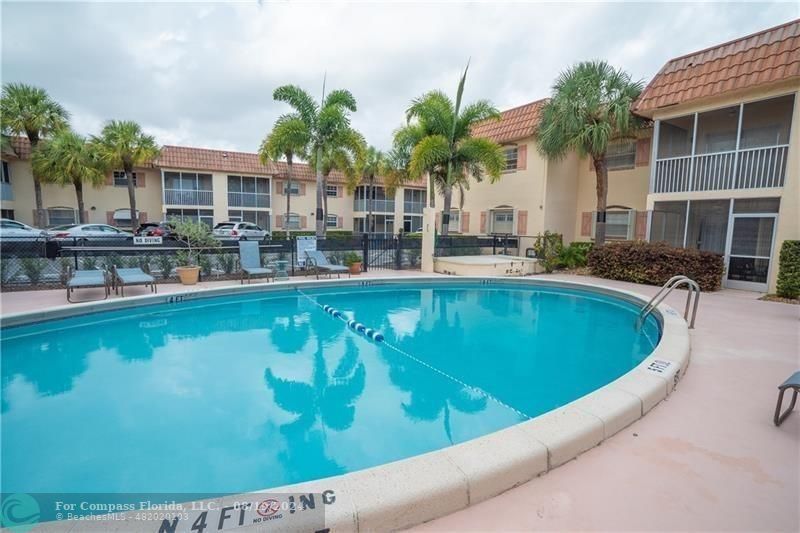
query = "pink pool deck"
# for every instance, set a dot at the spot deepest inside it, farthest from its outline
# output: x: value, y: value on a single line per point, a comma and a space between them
x: 707, y: 458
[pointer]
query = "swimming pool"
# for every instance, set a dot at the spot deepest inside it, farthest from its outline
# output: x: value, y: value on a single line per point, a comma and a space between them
x: 258, y: 389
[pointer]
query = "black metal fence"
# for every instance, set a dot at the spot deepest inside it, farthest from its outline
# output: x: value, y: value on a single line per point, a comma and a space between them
x: 44, y: 263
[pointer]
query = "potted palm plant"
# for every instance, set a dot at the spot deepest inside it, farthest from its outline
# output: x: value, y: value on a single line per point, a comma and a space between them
x: 353, y: 261
x: 197, y: 237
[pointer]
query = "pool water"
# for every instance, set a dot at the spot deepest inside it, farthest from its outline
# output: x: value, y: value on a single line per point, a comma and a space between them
x: 234, y: 394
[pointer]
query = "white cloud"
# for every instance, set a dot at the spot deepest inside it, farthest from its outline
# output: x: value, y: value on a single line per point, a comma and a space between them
x: 203, y: 73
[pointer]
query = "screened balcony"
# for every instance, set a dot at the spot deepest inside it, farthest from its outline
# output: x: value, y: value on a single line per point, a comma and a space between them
x: 379, y: 203
x: 745, y: 146
x: 188, y: 188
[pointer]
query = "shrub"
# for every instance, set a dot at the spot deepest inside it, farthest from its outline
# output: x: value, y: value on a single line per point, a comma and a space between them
x: 655, y: 263
x: 548, y: 250
x: 789, y: 270
x: 164, y: 264
x: 226, y: 262
x: 350, y: 258
x: 336, y: 234
x: 196, y: 236
x: 575, y: 255
x: 33, y: 267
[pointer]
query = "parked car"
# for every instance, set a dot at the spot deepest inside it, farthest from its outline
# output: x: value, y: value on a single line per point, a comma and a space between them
x: 85, y: 231
x: 18, y: 230
x: 239, y: 230
x: 156, y: 229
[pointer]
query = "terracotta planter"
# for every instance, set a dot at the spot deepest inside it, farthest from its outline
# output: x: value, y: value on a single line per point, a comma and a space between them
x: 355, y: 268
x: 188, y: 275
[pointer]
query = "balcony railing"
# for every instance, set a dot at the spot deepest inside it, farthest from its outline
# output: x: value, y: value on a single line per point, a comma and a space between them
x: 751, y: 168
x: 411, y: 208
x: 184, y: 197
x: 248, y: 199
x: 378, y: 206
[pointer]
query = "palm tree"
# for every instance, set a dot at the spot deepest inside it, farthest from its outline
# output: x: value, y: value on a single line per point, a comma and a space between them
x: 443, y: 146
x: 346, y: 159
x: 328, y: 124
x: 590, y: 107
x: 289, y: 138
x: 373, y: 164
x: 67, y: 159
x: 123, y: 144
x: 28, y: 110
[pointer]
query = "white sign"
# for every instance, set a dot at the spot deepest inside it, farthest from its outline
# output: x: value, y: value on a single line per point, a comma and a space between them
x: 659, y: 366
x: 305, y: 243
x: 147, y: 240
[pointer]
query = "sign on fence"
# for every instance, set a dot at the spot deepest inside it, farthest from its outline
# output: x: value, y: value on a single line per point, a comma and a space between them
x: 147, y: 240
x: 305, y: 243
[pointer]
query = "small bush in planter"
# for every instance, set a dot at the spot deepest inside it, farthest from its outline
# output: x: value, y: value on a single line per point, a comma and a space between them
x: 350, y: 259
x: 196, y: 236
x: 789, y: 270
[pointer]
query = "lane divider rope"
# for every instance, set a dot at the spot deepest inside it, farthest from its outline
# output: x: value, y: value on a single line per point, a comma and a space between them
x: 360, y: 328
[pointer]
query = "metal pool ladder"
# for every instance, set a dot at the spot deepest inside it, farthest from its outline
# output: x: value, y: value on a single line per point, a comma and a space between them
x: 672, y: 283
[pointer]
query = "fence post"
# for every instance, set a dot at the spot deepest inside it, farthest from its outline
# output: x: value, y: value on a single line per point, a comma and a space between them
x: 494, y: 245
x: 398, y: 247
x: 293, y: 243
x: 365, y: 250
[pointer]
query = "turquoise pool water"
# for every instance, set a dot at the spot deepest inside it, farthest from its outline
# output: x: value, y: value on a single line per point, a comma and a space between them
x: 234, y: 394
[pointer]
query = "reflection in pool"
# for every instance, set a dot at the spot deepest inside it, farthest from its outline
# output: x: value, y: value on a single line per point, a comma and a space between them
x: 234, y: 394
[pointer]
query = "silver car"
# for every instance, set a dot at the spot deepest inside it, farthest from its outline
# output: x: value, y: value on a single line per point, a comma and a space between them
x: 17, y: 230
x: 240, y: 231
x: 69, y: 231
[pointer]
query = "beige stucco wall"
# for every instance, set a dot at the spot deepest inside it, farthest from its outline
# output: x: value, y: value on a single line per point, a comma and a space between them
x: 788, y: 217
x: 561, y: 196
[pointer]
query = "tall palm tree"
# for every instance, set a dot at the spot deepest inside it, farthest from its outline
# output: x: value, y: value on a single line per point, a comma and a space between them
x: 289, y: 138
x: 123, y: 144
x: 328, y: 124
x: 68, y: 159
x: 443, y: 146
x: 28, y: 110
x: 590, y: 106
x: 345, y: 158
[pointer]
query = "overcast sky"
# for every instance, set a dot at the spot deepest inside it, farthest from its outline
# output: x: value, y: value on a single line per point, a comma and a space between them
x: 202, y: 74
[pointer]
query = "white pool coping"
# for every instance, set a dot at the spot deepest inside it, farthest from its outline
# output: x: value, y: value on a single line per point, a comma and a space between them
x: 411, y: 491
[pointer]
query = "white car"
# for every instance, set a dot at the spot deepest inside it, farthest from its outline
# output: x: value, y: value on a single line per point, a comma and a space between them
x: 17, y: 230
x: 69, y: 231
x: 240, y: 231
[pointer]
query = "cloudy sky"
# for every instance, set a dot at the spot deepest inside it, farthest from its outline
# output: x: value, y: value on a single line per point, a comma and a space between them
x: 202, y: 74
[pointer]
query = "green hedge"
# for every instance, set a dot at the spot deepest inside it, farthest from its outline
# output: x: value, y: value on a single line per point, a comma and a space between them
x: 655, y: 263
x: 336, y: 234
x: 789, y: 270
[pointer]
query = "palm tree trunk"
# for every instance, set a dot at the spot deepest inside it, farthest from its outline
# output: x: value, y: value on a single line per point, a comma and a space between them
x: 131, y: 196
x: 448, y: 200
x: 79, y: 195
x: 288, y: 193
x: 325, y: 200
x: 38, y: 219
x: 320, y: 226
x: 431, y: 191
x: 601, y: 171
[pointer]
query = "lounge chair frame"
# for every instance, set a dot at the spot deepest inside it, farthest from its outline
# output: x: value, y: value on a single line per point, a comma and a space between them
x: 71, y: 272
x: 245, y: 270
x: 312, y: 265
x: 792, y: 383
x: 118, y: 283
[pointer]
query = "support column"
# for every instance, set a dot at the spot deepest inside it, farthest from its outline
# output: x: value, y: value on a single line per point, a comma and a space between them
x: 428, y: 238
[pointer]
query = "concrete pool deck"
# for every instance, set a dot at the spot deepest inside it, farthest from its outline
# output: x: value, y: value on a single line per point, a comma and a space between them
x: 707, y: 458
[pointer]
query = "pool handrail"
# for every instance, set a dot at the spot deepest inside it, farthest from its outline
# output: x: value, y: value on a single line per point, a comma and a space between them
x: 672, y: 283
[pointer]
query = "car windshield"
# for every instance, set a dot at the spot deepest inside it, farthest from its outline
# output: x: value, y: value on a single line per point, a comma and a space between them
x: 224, y: 225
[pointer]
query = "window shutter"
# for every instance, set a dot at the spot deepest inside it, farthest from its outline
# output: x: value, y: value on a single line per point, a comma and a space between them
x: 640, y: 232
x: 302, y: 189
x: 464, y: 222
x: 278, y: 221
x: 522, y: 223
x: 110, y: 218
x: 303, y: 220
x: 339, y: 192
x: 522, y: 157
x: 278, y: 187
x: 586, y: 224
x: 110, y: 178
x: 140, y: 179
x: 86, y: 216
x: 483, y: 222
x: 340, y: 222
x: 142, y: 217
x: 643, y: 152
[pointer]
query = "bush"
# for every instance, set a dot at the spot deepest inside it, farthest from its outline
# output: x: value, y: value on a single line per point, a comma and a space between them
x: 336, y: 234
x: 33, y: 267
x: 575, y: 255
x: 226, y: 263
x: 655, y: 263
x: 351, y: 258
x: 548, y: 249
x: 789, y: 270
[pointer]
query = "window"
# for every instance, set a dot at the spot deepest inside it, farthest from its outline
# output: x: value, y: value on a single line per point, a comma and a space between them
x: 248, y: 191
x: 58, y: 216
x: 412, y: 223
x: 295, y: 189
x: 619, y: 224
x: 455, y: 221
x: 502, y: 221
x: 122, y: 217
x: 293, y: 221
x: 621, y: 155
x: 121, y: 180
x: 6, y: 173
x: 206, y: 216
x: 668, y: 223
x: 511, y: 153
x: 332, y: 190
x: 332, y: 221
x: 259, y: 218
x: 413, y: 200
x: 7, y: 213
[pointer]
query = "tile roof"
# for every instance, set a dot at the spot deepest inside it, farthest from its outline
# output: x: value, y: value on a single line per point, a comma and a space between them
x: 763, y: 58
x: 514, y: 124
x: 21, y: 147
